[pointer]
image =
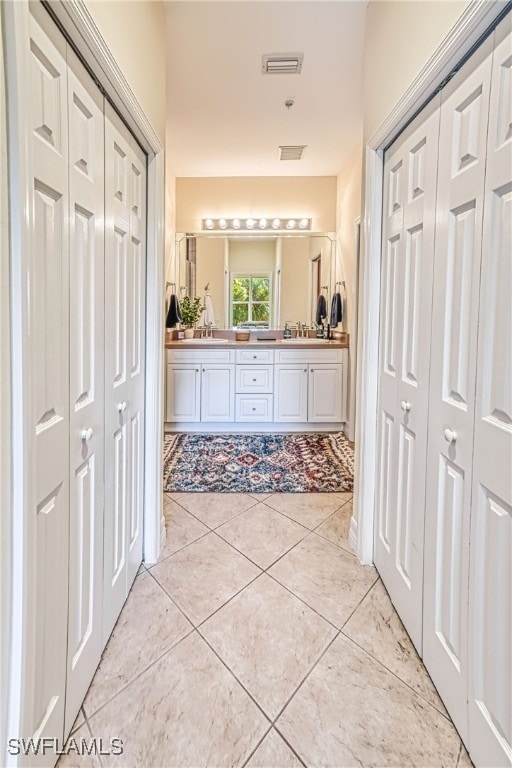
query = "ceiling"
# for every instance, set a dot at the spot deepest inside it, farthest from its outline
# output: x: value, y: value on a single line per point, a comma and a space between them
x: 224, y: 118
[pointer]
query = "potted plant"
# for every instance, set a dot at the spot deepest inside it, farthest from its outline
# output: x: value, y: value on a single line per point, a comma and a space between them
x: 190, y: 314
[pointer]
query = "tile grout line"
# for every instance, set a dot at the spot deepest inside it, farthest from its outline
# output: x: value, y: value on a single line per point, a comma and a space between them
x: 139, y: 674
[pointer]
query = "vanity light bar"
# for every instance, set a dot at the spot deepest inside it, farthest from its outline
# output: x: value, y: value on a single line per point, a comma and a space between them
x: 255, y: 225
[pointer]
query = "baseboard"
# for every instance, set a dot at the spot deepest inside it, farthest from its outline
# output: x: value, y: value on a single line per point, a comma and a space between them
x: 254, y: 427
x: 163, y: 538
x: 353, y: 538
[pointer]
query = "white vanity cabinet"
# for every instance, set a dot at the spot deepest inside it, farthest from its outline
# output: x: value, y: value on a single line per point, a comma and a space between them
x: 325, y: 389
x: 302, y: 387
x: 291, y: 393
x: 217, y: 392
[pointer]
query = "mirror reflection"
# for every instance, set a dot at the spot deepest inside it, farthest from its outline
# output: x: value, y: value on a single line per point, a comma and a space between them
x: 256, y: 282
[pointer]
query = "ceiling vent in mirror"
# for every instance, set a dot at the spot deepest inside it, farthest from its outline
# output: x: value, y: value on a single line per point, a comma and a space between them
x: 282, y: 63
x: 292, y: 153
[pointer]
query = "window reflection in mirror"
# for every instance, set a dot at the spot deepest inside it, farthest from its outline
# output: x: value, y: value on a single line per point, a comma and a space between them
x: 256, y: 282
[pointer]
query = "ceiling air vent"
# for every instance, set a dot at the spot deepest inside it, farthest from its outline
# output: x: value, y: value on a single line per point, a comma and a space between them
x: 292, y: 153
x: 282, y: 63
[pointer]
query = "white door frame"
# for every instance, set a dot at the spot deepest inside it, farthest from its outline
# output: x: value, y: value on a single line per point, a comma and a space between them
x: 81, y: 30
x: 473, y: 22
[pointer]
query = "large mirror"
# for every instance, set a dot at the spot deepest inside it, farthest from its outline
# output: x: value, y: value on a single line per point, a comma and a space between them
x: 256, y: 282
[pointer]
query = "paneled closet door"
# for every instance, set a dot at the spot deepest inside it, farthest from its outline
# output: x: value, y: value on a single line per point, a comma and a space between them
x: 48, y: 278
x: 86, y: 447
x: 125, y: 249
x: 490, y: 593
x: 462, y: 158
x: 407, y: 265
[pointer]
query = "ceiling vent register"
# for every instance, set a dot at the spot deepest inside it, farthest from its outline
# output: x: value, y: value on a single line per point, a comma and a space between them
x: 282, y: 63
x: 292, y: 153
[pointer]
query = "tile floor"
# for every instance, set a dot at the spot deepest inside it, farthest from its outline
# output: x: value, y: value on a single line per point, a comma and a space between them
x: 259, y: 640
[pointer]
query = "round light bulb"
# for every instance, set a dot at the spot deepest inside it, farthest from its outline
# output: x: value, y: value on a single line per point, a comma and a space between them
x: 276, y: 223
x: 263, y: 223
x: 250, y: 223
x: 303, y: 223
x: 209, y: 223
x: 236, y: 223
x: 223, y: 223
x: 291, y: 224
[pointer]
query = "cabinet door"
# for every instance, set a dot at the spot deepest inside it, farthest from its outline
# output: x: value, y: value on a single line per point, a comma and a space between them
x: 461, y: 176
x: 291, y: 393
x: 218, y: 393
x: 490, y: 584
x: 183, y: 384
x: 325, y: 393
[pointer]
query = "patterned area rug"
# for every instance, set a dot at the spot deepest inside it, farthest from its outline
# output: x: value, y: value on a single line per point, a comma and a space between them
x: 292, y: 463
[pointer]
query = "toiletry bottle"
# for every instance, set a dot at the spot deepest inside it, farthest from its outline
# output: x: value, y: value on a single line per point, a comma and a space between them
x: 287, y: 333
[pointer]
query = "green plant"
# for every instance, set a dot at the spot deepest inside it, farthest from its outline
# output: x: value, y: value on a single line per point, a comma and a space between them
x: 191, y: 311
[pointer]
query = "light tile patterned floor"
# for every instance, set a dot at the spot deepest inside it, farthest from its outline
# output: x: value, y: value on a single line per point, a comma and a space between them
x: 259, y: 640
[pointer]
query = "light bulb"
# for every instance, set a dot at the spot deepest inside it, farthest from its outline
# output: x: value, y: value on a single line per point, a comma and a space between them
x: 223, y: 223
x: 276, y: 223
x: 303, y: 223
x: 263, y: 223
x: 250, y: 223
x: 236, y: 223
x: 209, y: 223
x: 291, y: 224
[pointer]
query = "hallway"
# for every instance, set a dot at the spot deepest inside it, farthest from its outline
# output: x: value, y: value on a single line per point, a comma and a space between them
x: 259, y: 640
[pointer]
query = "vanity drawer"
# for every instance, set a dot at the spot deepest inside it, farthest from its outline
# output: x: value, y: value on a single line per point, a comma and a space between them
x: 309, y: 355
x: 254, y: 408
x: 200, y: 355
x: 254, y: 378
x: 254, y: 356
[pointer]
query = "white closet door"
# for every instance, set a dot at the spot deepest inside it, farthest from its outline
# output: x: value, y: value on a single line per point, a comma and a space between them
x: 136, y: 353
x: 490, y: 598
x: 125, y: 201
x: 86, y: 446
x: 408, y: 254
x: 462, y: 154
x: 49, y: 336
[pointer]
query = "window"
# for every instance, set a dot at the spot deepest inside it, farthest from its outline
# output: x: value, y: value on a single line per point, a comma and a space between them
x: 251, y: 299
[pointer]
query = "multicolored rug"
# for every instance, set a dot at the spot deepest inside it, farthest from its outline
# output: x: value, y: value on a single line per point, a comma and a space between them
x: 270, y: 463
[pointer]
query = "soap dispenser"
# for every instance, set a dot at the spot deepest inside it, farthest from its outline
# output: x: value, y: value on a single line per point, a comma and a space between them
x: 287, y: 333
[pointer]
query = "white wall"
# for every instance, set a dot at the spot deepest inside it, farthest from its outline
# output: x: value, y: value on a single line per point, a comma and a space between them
x: 400, y: 38
x: 135, y: 33
x: 257, y: 196
x: 5, y: 425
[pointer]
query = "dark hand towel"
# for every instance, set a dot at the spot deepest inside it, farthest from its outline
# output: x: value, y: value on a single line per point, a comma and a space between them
x: 336, y: 310
x: 174, y: 313
x: 321, y: 309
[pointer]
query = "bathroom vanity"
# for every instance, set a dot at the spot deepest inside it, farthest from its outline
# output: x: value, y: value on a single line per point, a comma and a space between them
x: 285, y: 385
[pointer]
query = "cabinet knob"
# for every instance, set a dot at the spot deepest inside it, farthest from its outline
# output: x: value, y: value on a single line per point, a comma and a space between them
x: 204, y: 370
x: 312, y: 370
x: 197, y: 370
x: 86, y: 434
x: 305, y: 370
x: 405, y: 406
x: 122, y: 406
x: 254, y: 380
x: 255, y: 357
x: 450, y: 435
x: 254, y: 409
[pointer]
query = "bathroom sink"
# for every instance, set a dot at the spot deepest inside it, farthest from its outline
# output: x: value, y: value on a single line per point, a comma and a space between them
x: 306, y: 341
x: 204, y: 341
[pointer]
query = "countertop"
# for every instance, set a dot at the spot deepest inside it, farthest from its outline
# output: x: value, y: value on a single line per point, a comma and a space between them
x: 254, y: 344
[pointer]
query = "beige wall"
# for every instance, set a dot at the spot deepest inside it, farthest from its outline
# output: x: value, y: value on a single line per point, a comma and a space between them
x: 295, y: 274
x: 210, y: 269
x: 400, y: 38
x: 135, y: 33
x: 311, y: 196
